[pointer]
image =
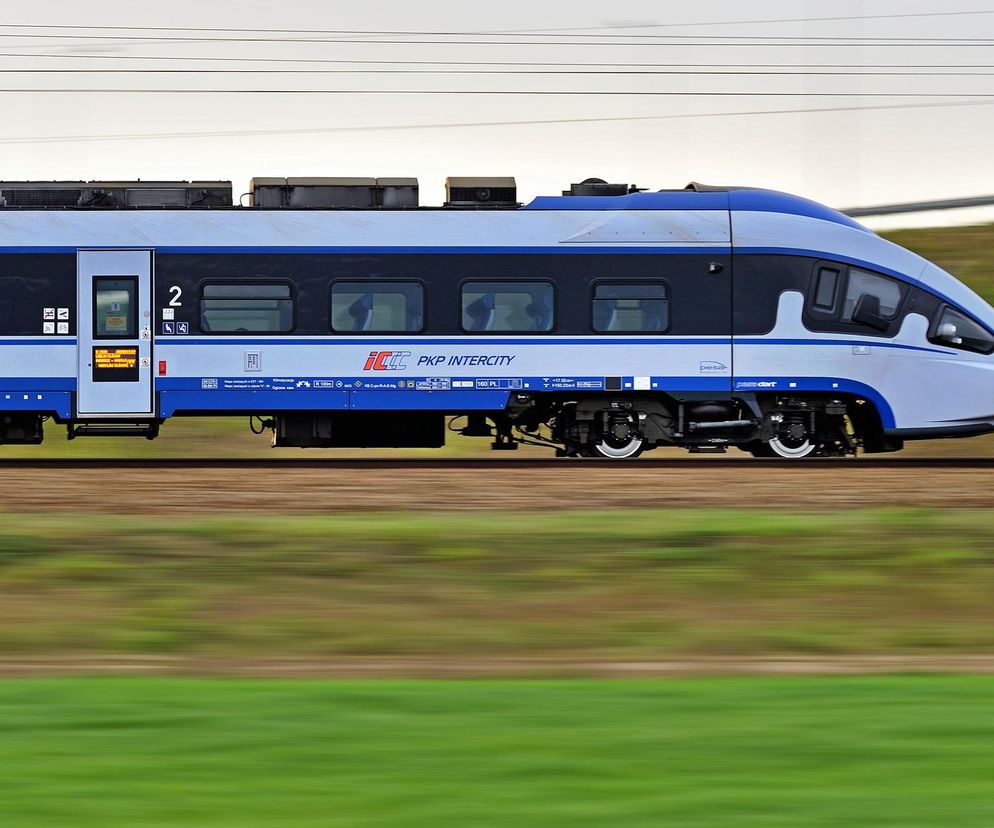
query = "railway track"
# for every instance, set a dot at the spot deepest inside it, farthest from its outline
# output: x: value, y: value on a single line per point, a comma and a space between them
x: 514, y: 485
x: 828, y: 464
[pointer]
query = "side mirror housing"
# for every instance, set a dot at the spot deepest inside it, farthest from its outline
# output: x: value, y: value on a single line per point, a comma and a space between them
x: 948, y: 332
x: 867, y: 312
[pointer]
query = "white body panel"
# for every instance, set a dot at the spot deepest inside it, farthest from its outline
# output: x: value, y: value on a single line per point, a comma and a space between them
x: 348, y: 228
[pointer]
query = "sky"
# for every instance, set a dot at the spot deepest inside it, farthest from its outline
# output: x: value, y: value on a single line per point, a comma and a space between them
x: 412, y: 100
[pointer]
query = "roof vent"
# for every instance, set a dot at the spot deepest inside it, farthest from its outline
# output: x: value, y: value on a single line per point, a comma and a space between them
x: 345, y: 193
x: 463, y: 191
x: 599, y: 187
x: 115, y: 193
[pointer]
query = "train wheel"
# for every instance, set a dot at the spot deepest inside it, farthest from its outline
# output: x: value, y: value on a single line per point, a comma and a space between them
x: 790, y: 447
x: 615, y: 449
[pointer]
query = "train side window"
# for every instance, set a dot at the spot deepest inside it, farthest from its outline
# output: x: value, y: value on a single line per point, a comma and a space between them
x: 226, y: 307
x: 826, y: 288
x: 377, y: 307
x: 954, y: 330
x: 507, y: 307
x: 889, y: 292
x: 115, y: 309
x: 630, y: 307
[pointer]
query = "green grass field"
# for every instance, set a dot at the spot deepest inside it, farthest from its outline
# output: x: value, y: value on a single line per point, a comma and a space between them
x: 640, y: 584
x: 145, y: 753
x: 963, y: 251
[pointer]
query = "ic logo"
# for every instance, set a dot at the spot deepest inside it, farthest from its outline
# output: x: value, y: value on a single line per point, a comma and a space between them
x: 386, y: 361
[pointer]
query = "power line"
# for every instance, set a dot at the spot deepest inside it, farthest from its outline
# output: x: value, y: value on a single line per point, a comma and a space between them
x: 756, y: 22
x: 502, y: 92
x: 548, y: 32
x: 661, y: 40
x: 514, y: 72
x: 383, y: 62
x: 474, y: 124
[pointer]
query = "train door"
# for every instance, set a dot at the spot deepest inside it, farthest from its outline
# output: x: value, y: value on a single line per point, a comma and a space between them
x: 114, y: 292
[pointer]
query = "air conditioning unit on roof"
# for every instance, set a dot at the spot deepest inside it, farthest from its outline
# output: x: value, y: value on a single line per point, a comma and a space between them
x: 463, y: 191
x: 344, y: 193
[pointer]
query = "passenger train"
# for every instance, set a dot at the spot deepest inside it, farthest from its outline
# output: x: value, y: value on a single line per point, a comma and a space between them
x: 604, y: 322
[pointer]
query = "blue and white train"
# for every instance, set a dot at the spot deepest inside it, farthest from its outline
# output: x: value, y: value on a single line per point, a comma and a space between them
x: 597, y: 325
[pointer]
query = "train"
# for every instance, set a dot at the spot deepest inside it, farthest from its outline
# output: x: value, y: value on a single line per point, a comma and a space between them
x: 603, y: 322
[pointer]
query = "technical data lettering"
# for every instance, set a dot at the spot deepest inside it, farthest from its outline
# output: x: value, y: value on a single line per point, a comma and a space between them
x: 499, y: 383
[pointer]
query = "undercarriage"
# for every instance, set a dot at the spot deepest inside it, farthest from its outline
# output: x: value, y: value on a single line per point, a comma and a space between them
x: 625, y: 426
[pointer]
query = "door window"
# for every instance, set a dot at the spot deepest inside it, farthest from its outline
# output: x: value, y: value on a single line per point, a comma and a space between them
x: 115, y: 307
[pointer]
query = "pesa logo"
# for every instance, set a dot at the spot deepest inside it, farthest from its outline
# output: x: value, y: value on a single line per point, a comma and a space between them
x: 710, y: 367
x: 386, y: 361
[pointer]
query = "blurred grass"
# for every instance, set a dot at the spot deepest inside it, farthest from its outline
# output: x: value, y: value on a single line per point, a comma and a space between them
x: 962, y: 251
x: 816, y: 752
x: 571, y: 585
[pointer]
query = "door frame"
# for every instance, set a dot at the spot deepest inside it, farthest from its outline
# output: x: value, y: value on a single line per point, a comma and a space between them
x: 98, y: 396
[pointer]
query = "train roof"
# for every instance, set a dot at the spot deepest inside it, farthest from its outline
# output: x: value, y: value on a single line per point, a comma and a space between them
x: 701, y: 197
x: 743, y: 220
x: 391, y: 194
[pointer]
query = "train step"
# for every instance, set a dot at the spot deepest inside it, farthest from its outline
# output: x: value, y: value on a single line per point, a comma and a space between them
x: 149, y: 429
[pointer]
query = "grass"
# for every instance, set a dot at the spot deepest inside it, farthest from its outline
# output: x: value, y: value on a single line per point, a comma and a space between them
x: 963, y: 251
x: 567, y: 585
x: 887, y: 751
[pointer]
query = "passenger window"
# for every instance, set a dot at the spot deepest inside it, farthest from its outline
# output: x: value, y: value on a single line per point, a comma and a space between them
x: 826, y: 287
x: 954, y: 330
x: 888, y: 291
x: 377, y: 307
x: 630, y: 308
x: 490, y: 307
x: 246, y: 308
x: 115, y: 308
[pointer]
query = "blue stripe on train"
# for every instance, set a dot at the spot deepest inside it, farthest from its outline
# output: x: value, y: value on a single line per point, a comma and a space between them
x: 42, y: 402
x: 374, y: 341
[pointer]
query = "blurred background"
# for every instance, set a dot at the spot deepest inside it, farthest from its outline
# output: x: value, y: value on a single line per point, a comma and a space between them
x: 352, y: 641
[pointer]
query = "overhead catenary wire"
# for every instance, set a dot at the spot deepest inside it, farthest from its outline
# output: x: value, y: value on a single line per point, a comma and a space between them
x: 603, y: 30
x: 669, y: 41
x: 242, y: 133
x: 753, y: 22
x: 501, y: 92
x: 425, y: 62
x: 512, y: 72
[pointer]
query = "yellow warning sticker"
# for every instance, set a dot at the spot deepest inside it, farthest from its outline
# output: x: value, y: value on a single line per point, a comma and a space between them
x: 116, y: 323
x: 115, y: 357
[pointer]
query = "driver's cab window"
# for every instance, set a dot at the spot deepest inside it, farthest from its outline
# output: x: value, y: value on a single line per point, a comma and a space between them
x: 853, y: 300
x: 956, y: 330
x: 861, y: 283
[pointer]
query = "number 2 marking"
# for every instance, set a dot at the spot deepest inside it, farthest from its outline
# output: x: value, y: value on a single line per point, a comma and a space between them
x: 177, y: 292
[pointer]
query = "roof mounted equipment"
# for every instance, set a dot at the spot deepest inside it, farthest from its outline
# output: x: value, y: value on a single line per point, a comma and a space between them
x: 599, y: 187
x: 115, y: 194
x: 343, y: 193
x: 463, y: 191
